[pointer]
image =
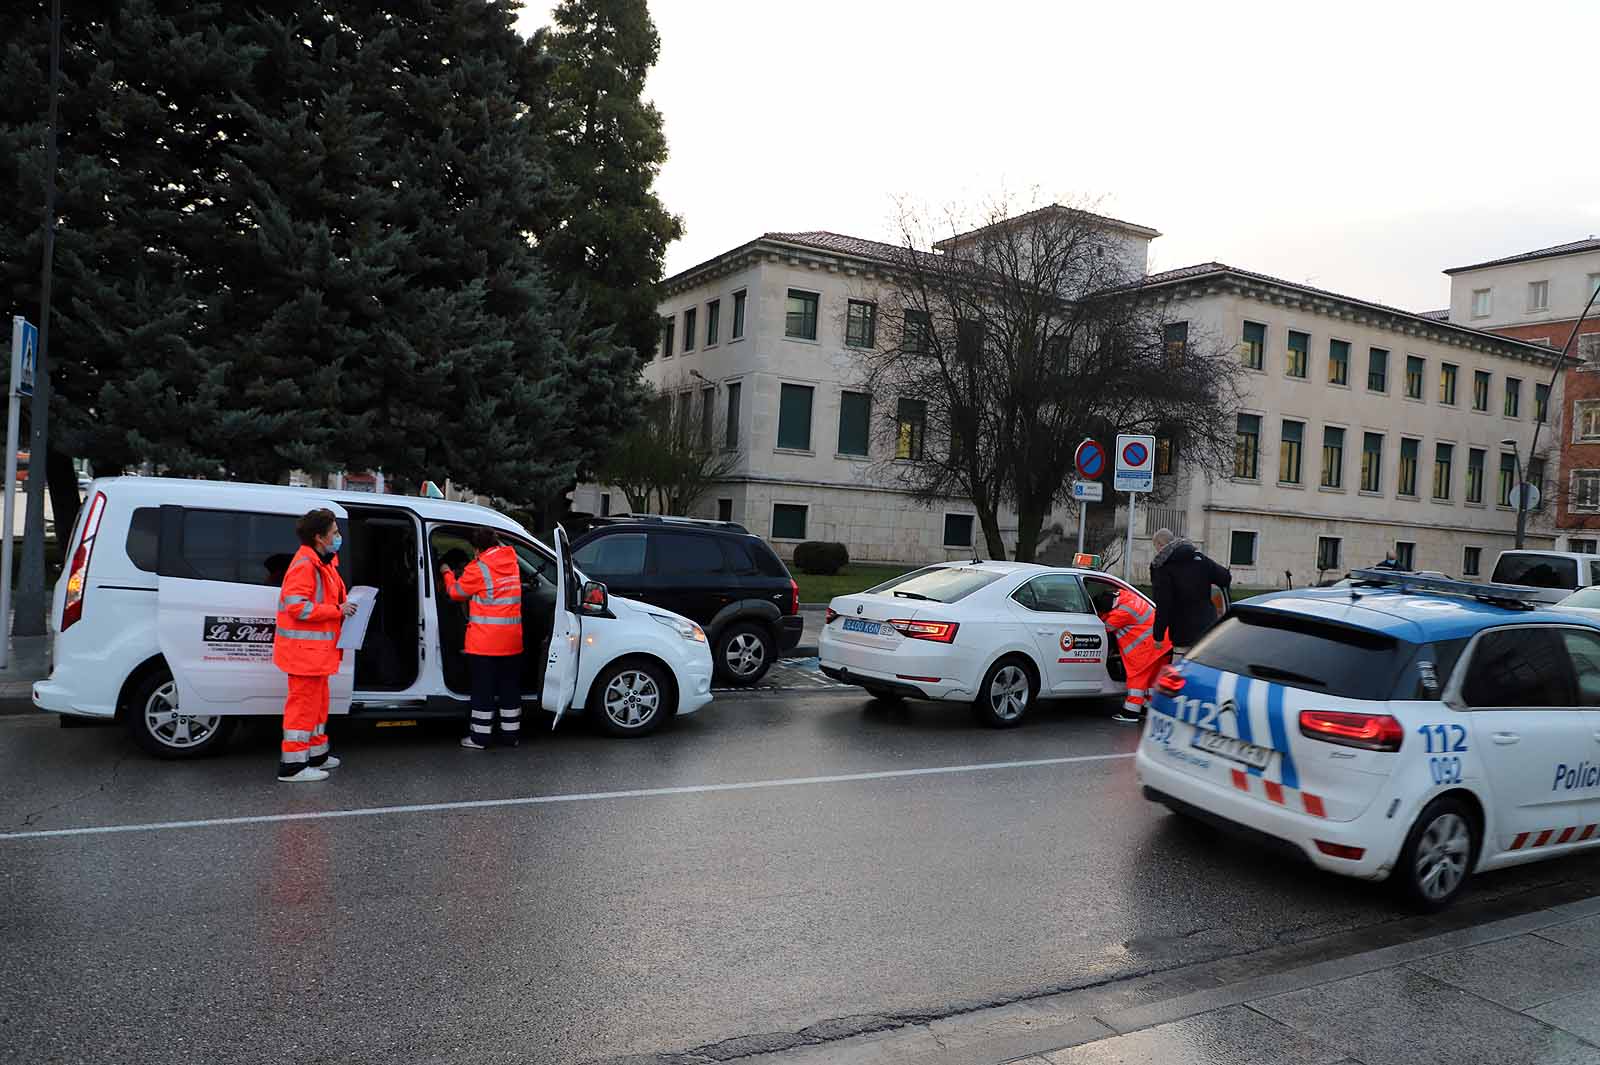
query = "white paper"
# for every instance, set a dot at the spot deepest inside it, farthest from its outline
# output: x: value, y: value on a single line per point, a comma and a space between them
x: 354, y: 631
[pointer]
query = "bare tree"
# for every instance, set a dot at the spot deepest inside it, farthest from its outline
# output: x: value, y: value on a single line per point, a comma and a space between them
x: 1015, y: 340
x: 676, y: 453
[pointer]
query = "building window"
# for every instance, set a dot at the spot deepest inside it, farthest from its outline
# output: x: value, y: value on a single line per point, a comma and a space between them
x: 911, y: 426
x: 1338, y: 362
x: 918, y: 335
x: 688, y: 329
x: 724, y: 510
x: 1372, y: 462
x: 731, y: 440
x: 1536, y: 478
x: 1377, y: 370
x: 1471, y: 561
x: 958, y: 530
x: 708, y: 415
x: 1413, y: 377
x: 1329, y: 548
x: 738, y: 315
x: 1332, y: 457
x: 1175, y: 339
x: 800, y: 315
x: 1253, y: 348
x: 1538, y: 295
x: 861, y: 324
x: 1583, y: 546
x: 1541, y: 401
x: 685, y: 416
x: 1444, y: 456
x: 1594, y: 285
x: 1289, y: 455
x: 1508, y: 477
x: 1475, y: 475
x: 713, y: 321
x: 1513, y: 398
x: 1480, y: 390
x: 1586, y: 489
x: 1589, y: 350
x: 1447, y: 384
x: 1480, y: 302
x: 1242, y: 549
x: 1299, y: 357
x: 1247, y: 447
x: 668, y: 327
x: 969, y: 339
x: 789, y: 521
x: 605, y: 504
x: 1166, y: 456
x: 794, y: 417
x: 1408, y: 466
x: 1587, y: 414
x: 854, y: 421
x: 1405, y: 555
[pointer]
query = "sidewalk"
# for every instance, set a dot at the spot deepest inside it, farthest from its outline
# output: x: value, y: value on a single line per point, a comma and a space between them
x: 1523, y: 989
x: 29, y: 661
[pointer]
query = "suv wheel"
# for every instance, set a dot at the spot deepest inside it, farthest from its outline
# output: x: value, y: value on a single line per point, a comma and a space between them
x: 164, y: 729
x: 744, y: 653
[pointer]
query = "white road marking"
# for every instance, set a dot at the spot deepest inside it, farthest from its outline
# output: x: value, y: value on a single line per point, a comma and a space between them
x: 542, y: 800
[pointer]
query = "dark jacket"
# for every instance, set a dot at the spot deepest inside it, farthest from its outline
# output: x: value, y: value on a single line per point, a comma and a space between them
x: 1182, y: 578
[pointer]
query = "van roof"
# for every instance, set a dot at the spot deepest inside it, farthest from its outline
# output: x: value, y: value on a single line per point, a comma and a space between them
x: 175, y: 490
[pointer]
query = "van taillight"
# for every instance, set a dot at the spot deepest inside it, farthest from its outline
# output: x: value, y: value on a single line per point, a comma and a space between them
x: 1370, y: 732
x: 937, y: 631
x: 78, y: 574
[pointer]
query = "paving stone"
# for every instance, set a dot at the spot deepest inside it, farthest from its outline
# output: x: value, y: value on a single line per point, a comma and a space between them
x: 1584, y: 934
x: 1225, y: 1037
x: 1578, y: 1014
x: 1522, y: 972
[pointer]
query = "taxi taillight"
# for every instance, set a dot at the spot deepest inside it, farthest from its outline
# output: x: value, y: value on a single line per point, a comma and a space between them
x: 937, y: 631
x: 1370, y: 732
x: 830, y: 617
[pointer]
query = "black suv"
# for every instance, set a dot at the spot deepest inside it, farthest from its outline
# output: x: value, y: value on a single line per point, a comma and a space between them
x: 713, y: 572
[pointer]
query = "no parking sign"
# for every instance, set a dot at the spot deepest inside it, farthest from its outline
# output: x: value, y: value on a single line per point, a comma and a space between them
x: 1136, y: 463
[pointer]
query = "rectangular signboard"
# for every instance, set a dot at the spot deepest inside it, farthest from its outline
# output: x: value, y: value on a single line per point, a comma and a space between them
x: 1135, y: 458
x: 1088, y: 491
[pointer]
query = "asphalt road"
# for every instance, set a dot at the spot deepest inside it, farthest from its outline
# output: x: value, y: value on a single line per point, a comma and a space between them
x: 604, y: 925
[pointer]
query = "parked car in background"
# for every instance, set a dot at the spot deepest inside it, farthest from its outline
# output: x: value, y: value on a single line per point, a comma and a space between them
x: 713, y: 572
x: 1556, y: 574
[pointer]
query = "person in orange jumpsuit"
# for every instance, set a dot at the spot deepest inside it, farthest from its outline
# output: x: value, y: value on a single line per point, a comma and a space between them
x: 1130, y: 620
x: 311, y: 610
x: 492, y: 586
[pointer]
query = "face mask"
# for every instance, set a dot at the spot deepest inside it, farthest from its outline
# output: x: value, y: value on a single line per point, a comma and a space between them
x: 338, y: 542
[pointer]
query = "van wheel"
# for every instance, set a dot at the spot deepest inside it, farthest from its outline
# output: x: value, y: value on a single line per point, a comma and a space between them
x: 744, y: 653
x: 1438, y: 855
x: 161, y: 727
x: 1006, y: 694
x: 632, y: 698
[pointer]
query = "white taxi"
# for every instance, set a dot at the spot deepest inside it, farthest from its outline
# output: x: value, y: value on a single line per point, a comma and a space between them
x: 1404, y: 728
x: 996, y: 634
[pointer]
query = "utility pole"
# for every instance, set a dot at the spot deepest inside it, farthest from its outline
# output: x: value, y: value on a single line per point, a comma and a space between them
x: 1550, y: 398
x: 30, y: 589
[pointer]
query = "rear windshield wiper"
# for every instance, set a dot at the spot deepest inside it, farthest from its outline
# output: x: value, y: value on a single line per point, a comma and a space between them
x: 1285, y: 675
x: 917, y: 595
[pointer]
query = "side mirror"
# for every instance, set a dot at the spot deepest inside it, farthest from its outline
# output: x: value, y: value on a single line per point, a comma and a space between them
x: 596, y: 602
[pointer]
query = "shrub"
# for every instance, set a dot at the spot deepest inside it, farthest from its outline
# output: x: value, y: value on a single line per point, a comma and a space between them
x: 821, y: 559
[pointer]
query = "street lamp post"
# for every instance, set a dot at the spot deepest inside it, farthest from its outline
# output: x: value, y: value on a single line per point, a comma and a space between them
x: 1550, y: 394
x: 1516, y: 485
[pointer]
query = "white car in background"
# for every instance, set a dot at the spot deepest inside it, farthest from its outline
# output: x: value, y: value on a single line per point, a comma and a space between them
x: 999, y: 635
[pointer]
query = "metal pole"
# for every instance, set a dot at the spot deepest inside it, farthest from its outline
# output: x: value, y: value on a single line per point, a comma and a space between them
x: 1083, y: 519
x: 1550, y: 391
x: 1127, y: 552
x: 13, y: 430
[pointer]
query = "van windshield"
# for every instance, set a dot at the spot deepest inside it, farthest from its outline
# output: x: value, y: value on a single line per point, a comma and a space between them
x: 1536, y: 571
x: 938, y: 584
x: 1305, y: 653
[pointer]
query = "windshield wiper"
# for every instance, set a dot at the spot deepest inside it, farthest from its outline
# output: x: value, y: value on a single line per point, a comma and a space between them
x: 917, y: 595
x: 1285, y: 675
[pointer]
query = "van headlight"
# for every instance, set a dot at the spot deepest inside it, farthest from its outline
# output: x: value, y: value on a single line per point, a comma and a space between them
x: 687, y: 629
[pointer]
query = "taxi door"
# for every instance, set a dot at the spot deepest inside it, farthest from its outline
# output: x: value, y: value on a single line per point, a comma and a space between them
x: 561, y: 668
x: 1070, y: 638
x: 1535, y: 741
x: 217, y: 604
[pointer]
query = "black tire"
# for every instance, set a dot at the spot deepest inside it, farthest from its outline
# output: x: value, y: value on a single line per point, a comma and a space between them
x: 154, y: 722
x: 745, y: 651
x: 1439, y: 854
x: 1003, y: 678
x: 651, y: 689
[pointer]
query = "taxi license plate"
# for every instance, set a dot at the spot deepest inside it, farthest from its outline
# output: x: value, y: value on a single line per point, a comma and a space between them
x: 871, y: 628
x: 1233, y: 750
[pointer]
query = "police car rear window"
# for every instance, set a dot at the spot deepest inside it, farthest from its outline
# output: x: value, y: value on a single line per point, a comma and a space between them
x: 1306, y: 653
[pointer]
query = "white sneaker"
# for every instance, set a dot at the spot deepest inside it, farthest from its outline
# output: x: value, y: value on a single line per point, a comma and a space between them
x: 330, y: 762
x: 304, y: 776
x: 471, y: 744
x: 1122, y: 717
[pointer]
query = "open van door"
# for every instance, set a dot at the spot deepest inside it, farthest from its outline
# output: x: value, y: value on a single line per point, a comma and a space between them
x: 220, y: 572
x: 561, y: 670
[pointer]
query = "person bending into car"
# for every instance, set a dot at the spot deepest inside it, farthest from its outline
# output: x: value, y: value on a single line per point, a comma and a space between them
x: 1130, y: 620
x: 492, y: 585
x: 311, y: 610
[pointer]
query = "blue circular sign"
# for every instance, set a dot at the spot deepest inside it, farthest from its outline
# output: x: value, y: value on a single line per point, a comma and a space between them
x: 1091, y: 459
x: 1135, y: 454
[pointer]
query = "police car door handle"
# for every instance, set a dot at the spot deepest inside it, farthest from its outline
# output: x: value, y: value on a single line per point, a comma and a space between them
x: 1505, y: 739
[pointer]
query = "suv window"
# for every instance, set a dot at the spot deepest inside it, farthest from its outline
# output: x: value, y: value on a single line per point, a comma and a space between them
x: 237, y: 547
x: 939, y: 584
x: 144, y: 539
x: 621, y: 555
x: 1305, y: 653
x: 1519, y: 667
x: 1536, y: 571
x: 1057, y: 593
x: 684, y: 553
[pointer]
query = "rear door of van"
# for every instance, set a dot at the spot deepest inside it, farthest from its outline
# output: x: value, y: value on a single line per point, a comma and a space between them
x: 220, y: 571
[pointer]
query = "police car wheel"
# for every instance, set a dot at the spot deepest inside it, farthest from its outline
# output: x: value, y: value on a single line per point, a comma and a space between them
x: 632, y: 698
x: 744, y: 653
x: 1438, y: 855
x: 1006, y: 694
x: 165, y: 728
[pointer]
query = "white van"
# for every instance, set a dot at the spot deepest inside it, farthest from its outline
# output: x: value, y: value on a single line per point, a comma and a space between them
x: 1555, y: 574
x: 165, y: 615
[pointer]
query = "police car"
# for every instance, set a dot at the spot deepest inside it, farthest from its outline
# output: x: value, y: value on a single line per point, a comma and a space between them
x: 1404, y: 728
x: 996, y: 634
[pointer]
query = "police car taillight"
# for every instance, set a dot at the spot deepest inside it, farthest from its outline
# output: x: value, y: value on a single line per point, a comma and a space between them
x: 1170, y: 680
x: 1370, y: 732
x: 78, y: 574
x: 937, y: 631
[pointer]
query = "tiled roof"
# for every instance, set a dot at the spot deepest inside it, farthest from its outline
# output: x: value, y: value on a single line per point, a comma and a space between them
x: 1442, y: 315
x: 1570, y: 248
x: 838, y: 242
x: 1051, y: 207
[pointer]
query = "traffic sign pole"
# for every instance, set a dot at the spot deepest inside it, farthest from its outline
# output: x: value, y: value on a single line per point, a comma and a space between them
x: 1090, y: 458
x: 23, y: 337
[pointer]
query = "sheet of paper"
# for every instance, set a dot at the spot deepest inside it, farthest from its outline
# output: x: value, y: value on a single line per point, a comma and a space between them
x: 354, y: 631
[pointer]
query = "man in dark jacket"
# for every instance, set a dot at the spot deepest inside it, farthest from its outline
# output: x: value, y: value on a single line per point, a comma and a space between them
x: 1182, y: 578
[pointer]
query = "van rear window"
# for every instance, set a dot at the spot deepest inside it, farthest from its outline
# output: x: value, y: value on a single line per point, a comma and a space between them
x: 1306, y: 653
x: 1537, y: 571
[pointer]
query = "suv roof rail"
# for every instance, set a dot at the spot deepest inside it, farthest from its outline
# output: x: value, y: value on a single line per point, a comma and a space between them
x: 1501, y: 594
x: 668, y: 519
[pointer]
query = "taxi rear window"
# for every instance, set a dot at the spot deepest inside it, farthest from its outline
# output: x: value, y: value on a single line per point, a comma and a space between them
x: 1306, y: 653
x: 939, y: 584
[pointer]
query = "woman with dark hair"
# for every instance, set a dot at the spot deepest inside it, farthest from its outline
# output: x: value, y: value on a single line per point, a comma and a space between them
x: 492, y: 584
x: 311, y: 609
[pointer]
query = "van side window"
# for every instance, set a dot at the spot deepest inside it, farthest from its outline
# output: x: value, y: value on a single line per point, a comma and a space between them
x: 237, y: 547
x: 144, y: 538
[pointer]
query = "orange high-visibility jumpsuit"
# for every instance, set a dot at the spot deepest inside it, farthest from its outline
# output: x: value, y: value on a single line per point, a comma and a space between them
x: 1130, y: 622
x: 492, y: 584
x: 306, y: 647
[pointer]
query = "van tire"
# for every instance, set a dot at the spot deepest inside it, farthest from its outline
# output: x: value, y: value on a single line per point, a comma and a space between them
x: 1445, y: 841
x: 647, y: 682
x: 156, y: 690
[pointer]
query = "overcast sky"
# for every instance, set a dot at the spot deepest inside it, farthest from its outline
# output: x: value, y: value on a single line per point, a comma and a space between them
x: 1362, y: 147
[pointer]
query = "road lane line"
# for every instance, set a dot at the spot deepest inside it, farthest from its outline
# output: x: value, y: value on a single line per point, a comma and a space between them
x: 542, y: 800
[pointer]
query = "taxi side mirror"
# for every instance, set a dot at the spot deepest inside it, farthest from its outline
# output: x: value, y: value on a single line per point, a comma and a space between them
x: 596, y: 602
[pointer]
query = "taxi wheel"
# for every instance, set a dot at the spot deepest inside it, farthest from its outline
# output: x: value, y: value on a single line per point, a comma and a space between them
x: 1439, y: 854
x: 1006, y: 694
x: 167, y: 730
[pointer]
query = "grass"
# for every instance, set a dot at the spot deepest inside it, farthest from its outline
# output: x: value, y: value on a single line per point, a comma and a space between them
x: 856, y: 577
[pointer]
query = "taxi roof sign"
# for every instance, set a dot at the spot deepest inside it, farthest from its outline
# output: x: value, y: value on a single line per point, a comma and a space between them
x: 1086, y: 561
x: 431, y: 490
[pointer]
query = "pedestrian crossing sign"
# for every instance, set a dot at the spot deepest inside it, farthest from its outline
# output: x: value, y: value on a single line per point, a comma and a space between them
x: 24, y: 355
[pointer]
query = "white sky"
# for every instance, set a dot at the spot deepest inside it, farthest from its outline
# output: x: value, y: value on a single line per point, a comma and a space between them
x: 1358, y: 146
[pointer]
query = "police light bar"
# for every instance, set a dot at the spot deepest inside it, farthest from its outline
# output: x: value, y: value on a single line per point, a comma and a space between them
x: 1409, y: 582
